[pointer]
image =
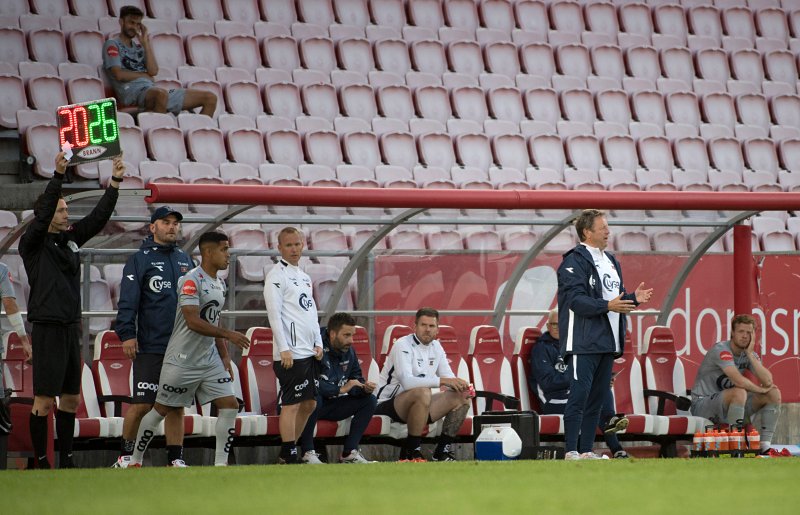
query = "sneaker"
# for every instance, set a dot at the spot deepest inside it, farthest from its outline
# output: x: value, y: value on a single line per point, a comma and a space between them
x: 621, y: 454
x: 124, y: 462
x: 355, y: 456
x: 572, y: 456
x: 178, y: 464
x: 592, y: 456
x: 444, y: 456
x: 414, y: 456
x: 311, y: 458
x: 617, y: 423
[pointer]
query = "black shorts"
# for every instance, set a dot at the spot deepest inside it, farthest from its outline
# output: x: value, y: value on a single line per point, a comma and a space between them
x: 146, y: 371
x: 298, y: 383
x: 387, y: 408
x: 56, y: 359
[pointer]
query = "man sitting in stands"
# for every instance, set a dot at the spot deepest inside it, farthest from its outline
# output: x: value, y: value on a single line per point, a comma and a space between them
x: 721, y: 392
x: 132, y: 67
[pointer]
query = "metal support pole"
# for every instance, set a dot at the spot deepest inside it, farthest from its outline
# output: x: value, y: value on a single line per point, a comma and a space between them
x: 743, y: 269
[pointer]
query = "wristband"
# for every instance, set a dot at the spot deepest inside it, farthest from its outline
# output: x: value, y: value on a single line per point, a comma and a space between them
x: 116, y: 179
x: 17, y: 324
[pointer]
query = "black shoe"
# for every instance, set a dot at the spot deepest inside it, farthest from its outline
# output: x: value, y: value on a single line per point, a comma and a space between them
x: 443, y: 456
x: 617, y: 423
x: 42, y: 464
x: 67, y: 464
x: 292, y: 459
x: 414, y: 455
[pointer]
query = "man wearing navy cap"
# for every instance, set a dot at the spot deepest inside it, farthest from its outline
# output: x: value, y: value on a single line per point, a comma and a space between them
x: 146, y: 313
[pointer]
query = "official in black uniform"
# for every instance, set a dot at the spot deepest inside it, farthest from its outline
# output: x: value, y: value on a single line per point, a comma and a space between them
x: 50, y: 251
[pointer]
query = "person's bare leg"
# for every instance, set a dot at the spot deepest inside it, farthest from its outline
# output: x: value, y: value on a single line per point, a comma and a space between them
x: 199, y: 98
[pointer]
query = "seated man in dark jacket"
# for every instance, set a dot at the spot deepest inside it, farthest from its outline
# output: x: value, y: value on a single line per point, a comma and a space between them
x: 550, y: 381
x: 343, y: 391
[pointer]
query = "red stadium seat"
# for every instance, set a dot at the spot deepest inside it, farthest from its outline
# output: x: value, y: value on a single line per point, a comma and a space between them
x: 489, y: 368
x: 664, y: 372
x: 113, y: 374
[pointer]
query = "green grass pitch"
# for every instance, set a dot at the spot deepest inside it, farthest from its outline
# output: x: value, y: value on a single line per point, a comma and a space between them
x: 675, y: 486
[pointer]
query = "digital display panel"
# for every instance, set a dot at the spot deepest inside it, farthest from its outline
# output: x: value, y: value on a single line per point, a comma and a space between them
x: 89, y: 130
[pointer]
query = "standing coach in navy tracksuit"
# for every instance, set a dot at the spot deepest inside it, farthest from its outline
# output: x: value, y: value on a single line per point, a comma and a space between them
x: 592, y: 305
x: 148, y: 300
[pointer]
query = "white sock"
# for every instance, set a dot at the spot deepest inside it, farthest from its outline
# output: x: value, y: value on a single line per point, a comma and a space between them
x: 226, y: 421
x: 147, y: 429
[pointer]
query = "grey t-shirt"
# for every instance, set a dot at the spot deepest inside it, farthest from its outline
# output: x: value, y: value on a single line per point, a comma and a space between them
x: 131, y: 58
x: 710, y: 377
x: 187, y: 348
x: 6, y: 288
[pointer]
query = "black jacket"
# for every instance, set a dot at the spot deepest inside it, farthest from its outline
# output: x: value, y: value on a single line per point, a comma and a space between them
x: 582, y: 311
x: 148, y: 295
x: 336, y: 368
x: 52, y: 260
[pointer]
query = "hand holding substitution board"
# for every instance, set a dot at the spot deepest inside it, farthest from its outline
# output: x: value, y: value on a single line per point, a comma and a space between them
x: 88, y: 131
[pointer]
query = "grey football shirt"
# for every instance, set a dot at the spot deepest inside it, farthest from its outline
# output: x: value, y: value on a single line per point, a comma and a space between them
x: 6, y: 288
x: 187, y: 348
x: 710, y: 377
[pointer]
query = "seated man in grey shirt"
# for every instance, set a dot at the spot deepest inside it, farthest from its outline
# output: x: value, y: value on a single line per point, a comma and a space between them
x: 131, y: 67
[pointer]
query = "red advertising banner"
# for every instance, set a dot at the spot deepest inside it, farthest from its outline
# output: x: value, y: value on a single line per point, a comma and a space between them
x: 699, y: 318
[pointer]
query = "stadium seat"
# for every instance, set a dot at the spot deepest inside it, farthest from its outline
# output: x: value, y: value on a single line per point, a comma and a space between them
x: 629, y: 398
x: 205, y: 50
x: 684, y: 114
x: 89, y: 422
x: 740, y: 28
x: 636, y: 24
x: 251, y: 268
x: 259, y: 384
x: 206, y: 145
x: 577, y: 107
x: 433, y: 103
x: 169, y: 49
x: 113, y: 374
x: 670, y: 26
x: 746, y: 71
x: 13, y: 100
x: 361, y: 148
x: 602, y: 25
x: 643, y: 67
x: 86, y: 47
x: 511, y: 153
x: 202, y: 173
x: 38, y: 137
x: 706, y: 27
x: 664, y: 372
x: 567, y: 22
x: 754, y: 116
x: 358, y: 101
x: 547, y: 152
x: 761, y: 156
x: 648, y: 108
x: 781, y: 69
x: 47, y: 93
x: 544, y: 113
x: 284, y: 147
x: 241, y: 51
x: 246, y: 146
x: 489, y: 369
x: 631, y: 241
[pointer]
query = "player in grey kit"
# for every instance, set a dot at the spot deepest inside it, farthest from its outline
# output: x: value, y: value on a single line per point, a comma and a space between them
x: 196, y: 362
x: 721, y: 392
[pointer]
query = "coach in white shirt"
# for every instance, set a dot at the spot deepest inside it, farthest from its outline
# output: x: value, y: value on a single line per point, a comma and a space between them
x: 416, y: 364
x: 297, y: 340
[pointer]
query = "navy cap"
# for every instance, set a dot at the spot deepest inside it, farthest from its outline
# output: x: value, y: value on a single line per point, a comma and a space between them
x: 163, y: 212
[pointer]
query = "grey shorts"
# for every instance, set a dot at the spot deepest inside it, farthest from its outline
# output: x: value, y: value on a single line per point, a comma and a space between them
x: 179, y: 386
x: 134, y: 94
x: 713, y: 407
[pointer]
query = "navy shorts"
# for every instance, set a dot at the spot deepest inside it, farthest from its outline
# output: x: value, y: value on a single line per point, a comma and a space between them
x: 56, y: 359
x: 146, y: 371
x: 298, y: 383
